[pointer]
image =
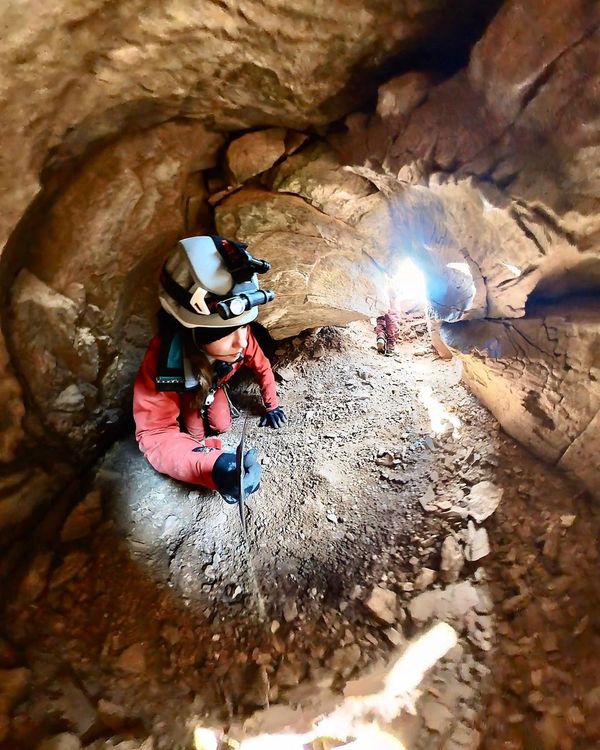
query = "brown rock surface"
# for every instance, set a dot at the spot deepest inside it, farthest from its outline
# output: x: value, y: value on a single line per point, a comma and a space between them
x: 539, y: 377
x: 254, y: 153
x: 13, y: 409
x: 517, y: 130
x: 82, y: 312
x: 321, y: 270
x: 239, y: 66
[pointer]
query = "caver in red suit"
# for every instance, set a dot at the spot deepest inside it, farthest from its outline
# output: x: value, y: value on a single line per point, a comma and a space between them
x: 172, y: 432
x: 178, y: 404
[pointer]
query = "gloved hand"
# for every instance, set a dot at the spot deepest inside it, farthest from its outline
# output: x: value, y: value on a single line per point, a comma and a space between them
x: 275, y: 418
x: 225, y: 476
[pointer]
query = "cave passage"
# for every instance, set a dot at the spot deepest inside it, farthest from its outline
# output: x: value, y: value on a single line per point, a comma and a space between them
x: 420, y: 566
x: 153, y: 617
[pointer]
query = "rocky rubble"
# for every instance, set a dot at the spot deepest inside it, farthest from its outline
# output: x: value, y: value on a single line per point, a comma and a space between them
x: 512, y: 605
x: 439, y: 163
x: 539, y: 377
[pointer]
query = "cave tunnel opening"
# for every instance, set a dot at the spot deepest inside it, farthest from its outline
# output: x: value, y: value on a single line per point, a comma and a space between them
x: 417, y: 568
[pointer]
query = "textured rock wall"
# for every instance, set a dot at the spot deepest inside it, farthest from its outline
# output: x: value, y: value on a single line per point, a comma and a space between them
x: 110, y: 118
x: 80, y: 310
x: 540, y: 376
x: 496, y: 170
x: 75, y: 73
x: 488, y: 179
x: 314, y: 221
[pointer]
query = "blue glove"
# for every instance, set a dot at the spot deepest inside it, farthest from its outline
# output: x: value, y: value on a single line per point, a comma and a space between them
x: 275, y: 418
x: 225, y: 476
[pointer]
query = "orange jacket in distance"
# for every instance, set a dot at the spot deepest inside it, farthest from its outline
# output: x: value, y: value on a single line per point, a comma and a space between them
x: 158, y: 415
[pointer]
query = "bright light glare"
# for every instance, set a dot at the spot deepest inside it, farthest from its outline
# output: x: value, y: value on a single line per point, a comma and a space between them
x: 205, y: 739
x: 462, y: 267
x: 420, y: 656
x: 513, y: 269
x: 361, y: 720
x: 371, y: 738
x: 440, y: 418
x: 276, y: 742
x: 409, y: 282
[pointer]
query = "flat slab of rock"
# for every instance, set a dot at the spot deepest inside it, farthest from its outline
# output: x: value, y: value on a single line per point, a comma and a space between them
x: 383, y: 604
x: 477, y: 543
x: 133, y: 659
x: 254, y: 153
x: 483, y: 500
x: 449, y: 604
x: 452, y: 559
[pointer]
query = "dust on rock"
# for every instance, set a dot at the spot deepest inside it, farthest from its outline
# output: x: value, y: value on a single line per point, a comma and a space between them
x: 147, y: 611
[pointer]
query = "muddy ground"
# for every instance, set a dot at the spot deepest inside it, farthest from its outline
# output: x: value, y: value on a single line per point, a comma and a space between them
x: 153, y: 614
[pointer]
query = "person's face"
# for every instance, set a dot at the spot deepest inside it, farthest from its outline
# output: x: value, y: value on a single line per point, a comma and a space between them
x: 229, y: 348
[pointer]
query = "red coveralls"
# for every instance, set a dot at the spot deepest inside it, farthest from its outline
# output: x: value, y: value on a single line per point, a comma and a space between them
x: 387, y: 328
x: 156, y: 414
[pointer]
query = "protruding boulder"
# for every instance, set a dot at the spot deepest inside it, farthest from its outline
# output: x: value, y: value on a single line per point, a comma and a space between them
x: 322, y: 270
x: 254, y: 153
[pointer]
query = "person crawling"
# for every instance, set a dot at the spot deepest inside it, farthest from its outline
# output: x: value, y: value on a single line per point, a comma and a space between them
x: 209, y: 293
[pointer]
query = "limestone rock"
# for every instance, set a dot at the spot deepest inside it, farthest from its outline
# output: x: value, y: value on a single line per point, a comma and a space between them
x: 83, y: 517
x: 534, y: 376
x: 537, y: 228
x: 290, y: 611
x: 425, y: 578
x: 63, y: 741
x: 437, y: 717
x: 483, y: 500
x: 317, y: 175
x: 504, y: 65
x: 463, y: 738
x: 254, y: 153
x: 451, y: 603
x: 395, y: 637
x: 133, y: 659
x: 399, y: 96
x: 49, y: 334
x: 452, y: 559
x: 477, y: 543
x: 321, y: 270
x: 270, y: 63
x: 383, y: 604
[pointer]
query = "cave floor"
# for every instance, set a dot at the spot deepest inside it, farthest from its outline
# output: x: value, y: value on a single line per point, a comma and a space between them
x: 161, y: 617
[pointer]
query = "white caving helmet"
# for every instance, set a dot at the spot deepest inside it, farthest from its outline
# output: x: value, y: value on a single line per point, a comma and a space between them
x: 211, y: 282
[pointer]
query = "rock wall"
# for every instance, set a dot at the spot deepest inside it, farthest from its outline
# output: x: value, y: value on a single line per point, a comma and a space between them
x: 80, y: 310
x: 77, y: 73
x: 112, y: 119
x: 496, y: 171
x: 540, y: 377
x: 489, y: 179
x: 314, y: 221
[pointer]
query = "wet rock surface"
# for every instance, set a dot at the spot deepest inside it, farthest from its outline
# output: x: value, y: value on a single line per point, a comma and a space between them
x: 160, y: 620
